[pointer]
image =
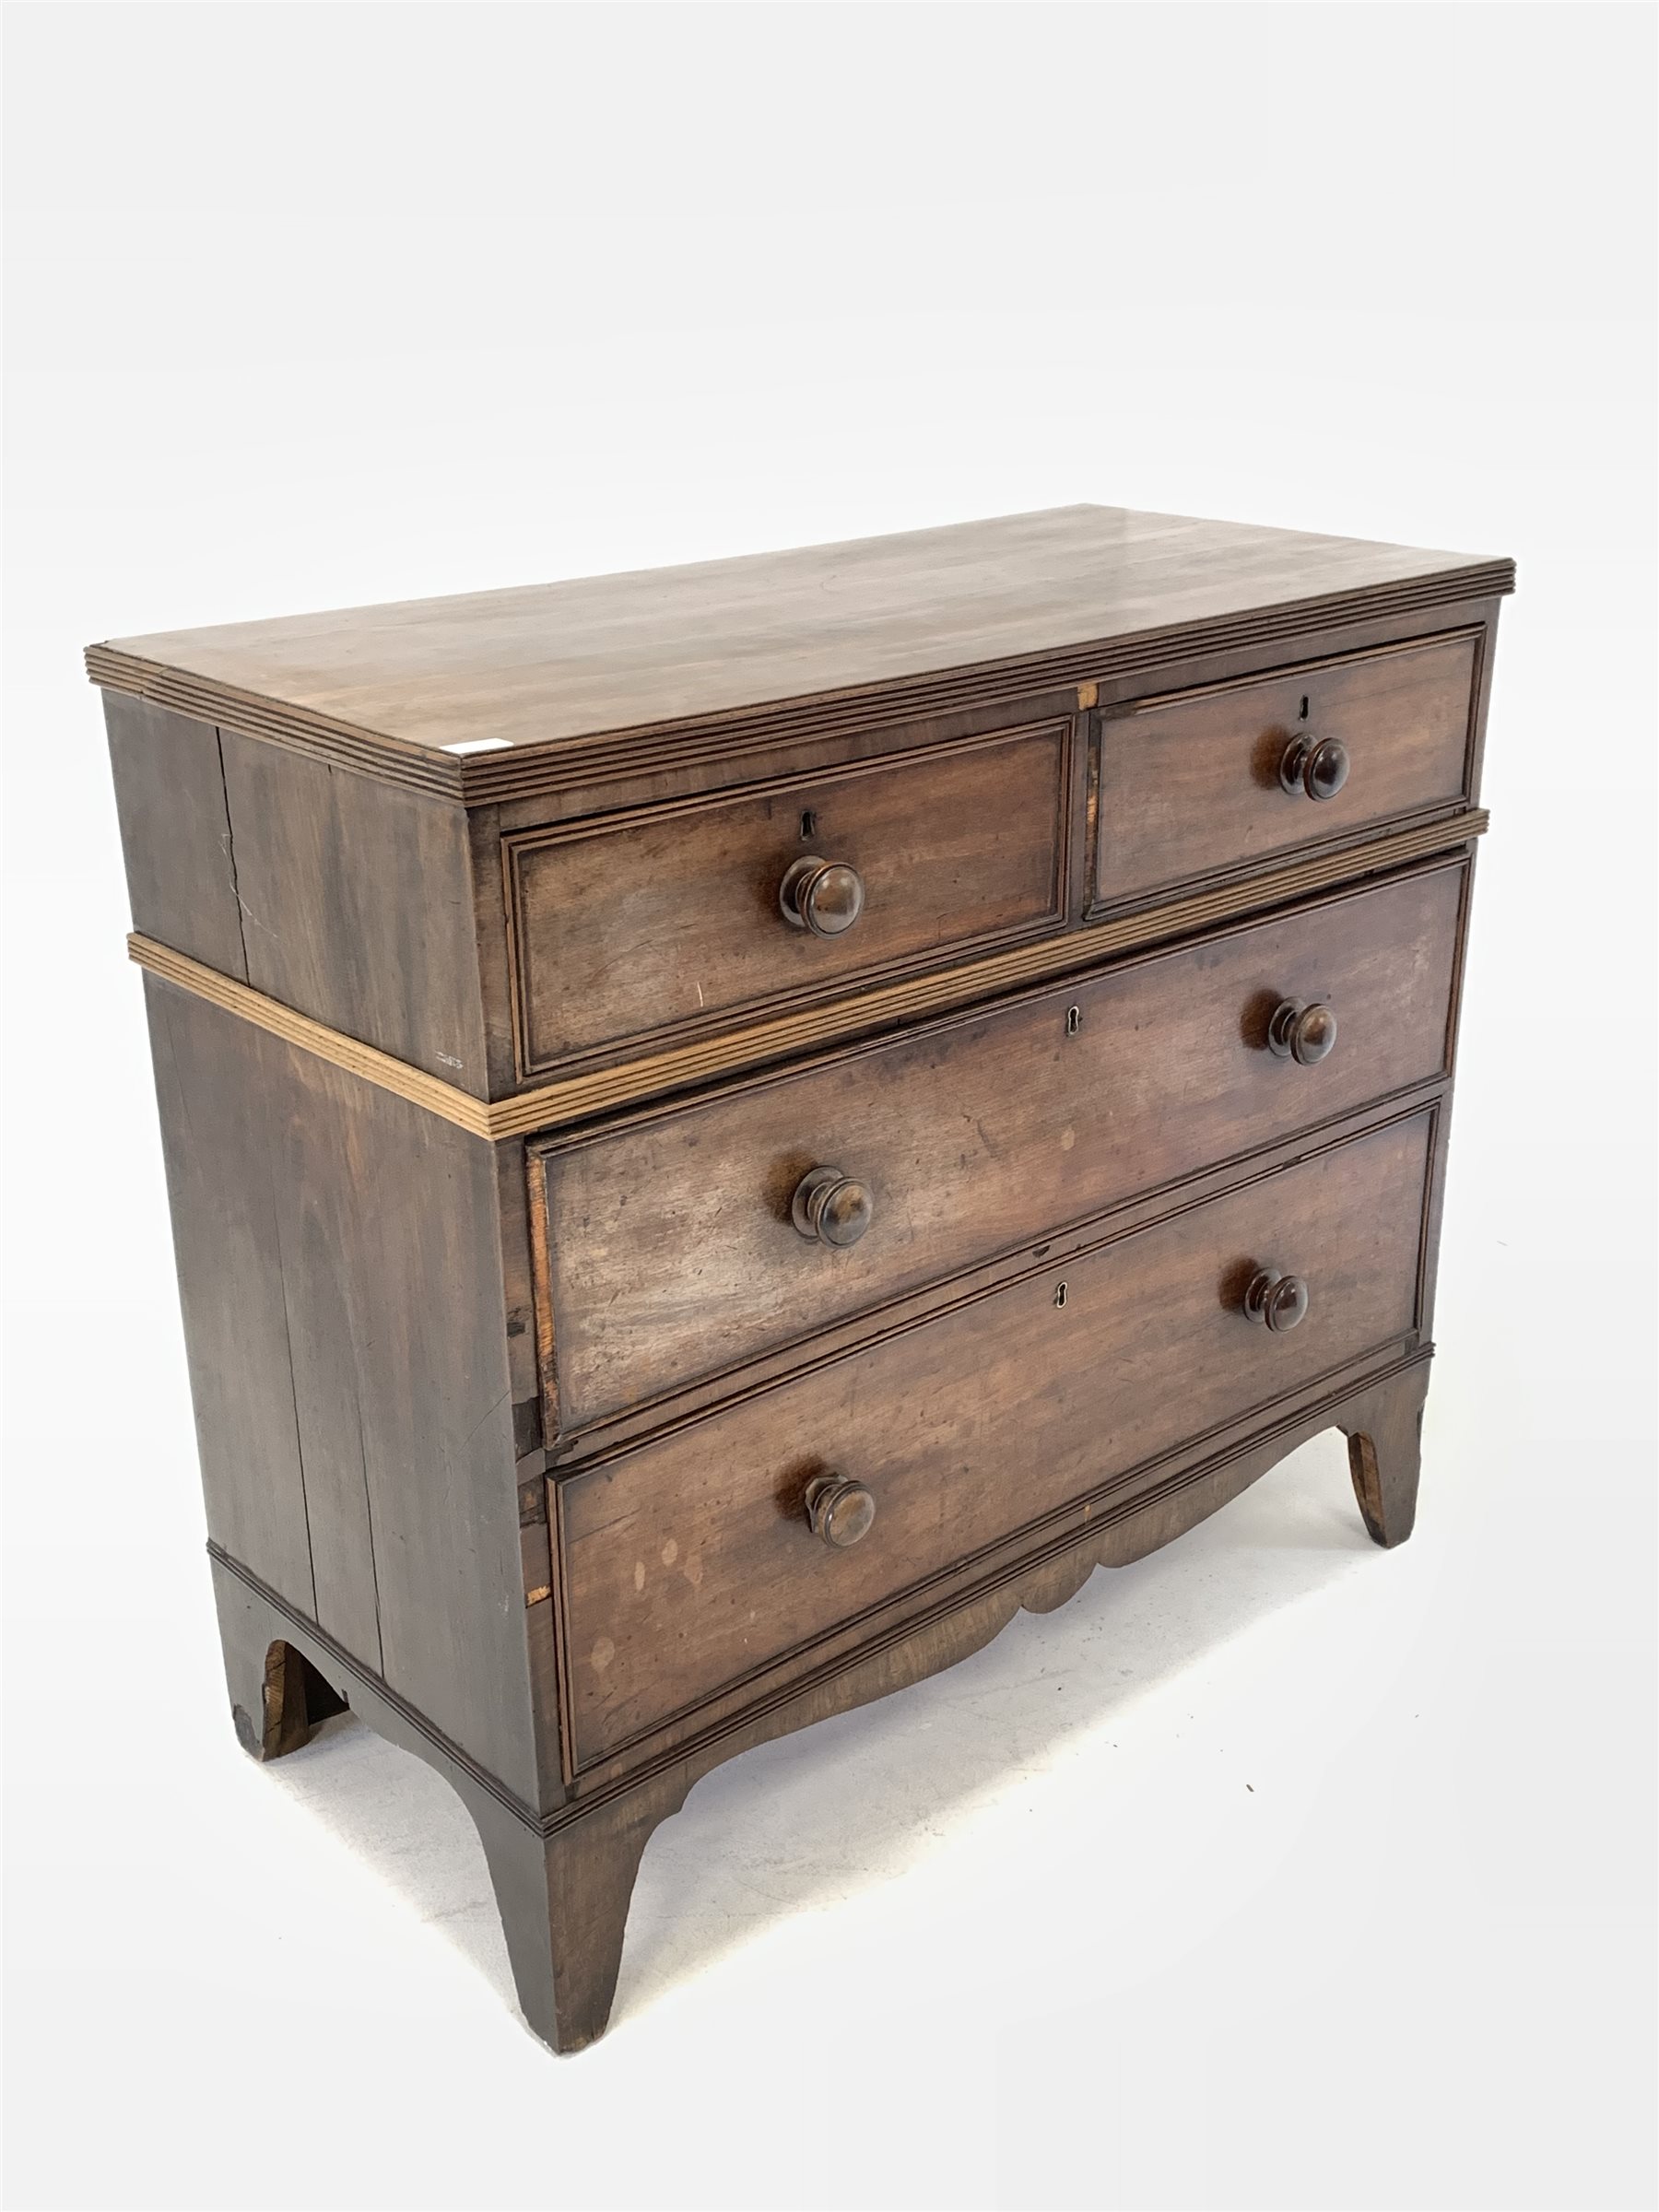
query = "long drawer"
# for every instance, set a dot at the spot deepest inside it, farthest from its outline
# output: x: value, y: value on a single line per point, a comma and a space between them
x: 1231, y: 775
x: 689, y: 1564
x: 671, y: 1246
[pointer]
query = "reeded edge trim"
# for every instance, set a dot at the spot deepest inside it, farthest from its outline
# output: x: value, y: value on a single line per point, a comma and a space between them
x: 315, y: 1037
x: 579, y: 1098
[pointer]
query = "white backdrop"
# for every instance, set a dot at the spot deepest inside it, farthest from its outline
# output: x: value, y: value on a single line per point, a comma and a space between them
x: 1276, y: 1871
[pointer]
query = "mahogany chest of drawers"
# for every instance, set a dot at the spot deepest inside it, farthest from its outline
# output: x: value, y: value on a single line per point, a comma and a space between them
x: 729, y: 1128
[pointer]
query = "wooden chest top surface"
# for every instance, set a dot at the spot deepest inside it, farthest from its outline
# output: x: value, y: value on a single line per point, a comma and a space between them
x: 558, y: 664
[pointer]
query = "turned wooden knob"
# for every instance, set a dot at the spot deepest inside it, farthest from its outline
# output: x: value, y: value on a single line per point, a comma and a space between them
x: 831, y: 1207
x: 838, y: 1510
x: 1304, y: 1034
x: 1318, y: 765
x: 1277, y: 1300
x: 824, y: 896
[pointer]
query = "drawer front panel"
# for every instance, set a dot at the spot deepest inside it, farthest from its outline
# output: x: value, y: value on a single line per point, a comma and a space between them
x: 670, y: 921
x: 688, y: 1564
x: 1192, y: 784
x: 973, y: 1136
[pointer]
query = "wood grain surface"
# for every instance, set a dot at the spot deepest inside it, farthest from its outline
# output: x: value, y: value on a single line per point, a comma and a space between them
x: 563, y: 1881
x: 343, y: 1285
x: 176, y: 833
x: 669, y: 920
x: 215, y: 1078
x: 357, y: 908
x: 1191, y: 783
x: 689, y: 1563
x: 388, y: 690
x: 671, y: 1250
x: 878, y: 1007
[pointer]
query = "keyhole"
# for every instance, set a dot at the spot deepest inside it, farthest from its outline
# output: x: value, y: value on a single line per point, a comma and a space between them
x: 1073, y: 1020
x: 1304, y: 715
x: 1059, y: 1294
x: 809, y: 819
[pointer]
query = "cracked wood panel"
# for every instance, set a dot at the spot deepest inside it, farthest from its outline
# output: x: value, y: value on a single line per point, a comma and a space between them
x: 175, y: 834
x: 345, y: 1318
x: 357, y: 908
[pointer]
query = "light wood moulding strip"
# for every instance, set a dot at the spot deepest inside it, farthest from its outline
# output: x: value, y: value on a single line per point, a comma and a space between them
x: 270, y: 1014
x: 552, y: 1105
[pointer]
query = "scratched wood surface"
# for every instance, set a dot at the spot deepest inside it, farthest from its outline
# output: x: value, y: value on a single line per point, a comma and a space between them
x: 689, y: 1562
x: 672, y: 1252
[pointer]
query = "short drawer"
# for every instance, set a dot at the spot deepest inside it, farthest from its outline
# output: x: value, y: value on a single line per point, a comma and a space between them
x: 1210, y: 781
x: 671, y: 1247
x: 678, y: 918
x: 689, y: 1565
